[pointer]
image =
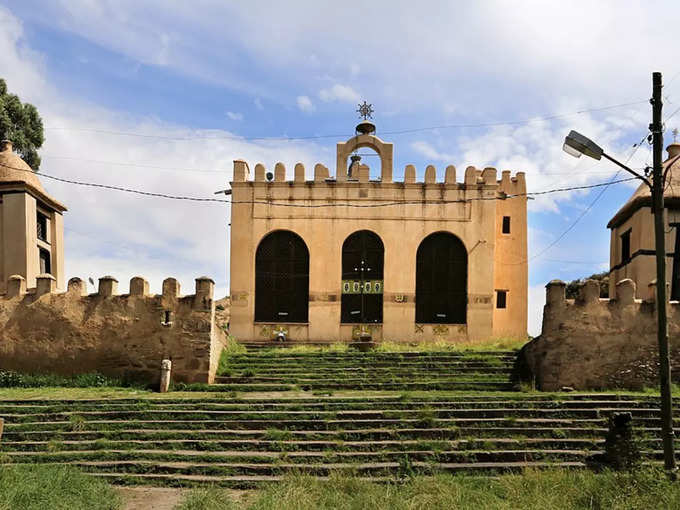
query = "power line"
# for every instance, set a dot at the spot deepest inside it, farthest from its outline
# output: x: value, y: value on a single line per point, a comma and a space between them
x: 587, y: 209
x: 140, y: 165
x: 311, y: 206
x: 344, y: 135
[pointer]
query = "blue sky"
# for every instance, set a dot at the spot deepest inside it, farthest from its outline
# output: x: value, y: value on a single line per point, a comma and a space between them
x: 223, y: 73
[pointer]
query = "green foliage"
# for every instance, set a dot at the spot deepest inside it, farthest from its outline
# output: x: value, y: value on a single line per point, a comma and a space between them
x: 21, y: 123
x: 10, y: 379
x: 211, y: 498
x: 35, y: 487
x: 531, y: 490
x: 603, y: 279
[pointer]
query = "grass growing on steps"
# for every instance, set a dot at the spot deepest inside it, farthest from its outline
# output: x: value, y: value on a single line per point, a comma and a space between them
x: 53, y: 488
x: 532, y: 490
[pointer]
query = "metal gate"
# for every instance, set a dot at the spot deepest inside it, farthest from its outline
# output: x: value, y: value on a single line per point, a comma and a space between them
x: 441, y: 280
x: 362, y: 278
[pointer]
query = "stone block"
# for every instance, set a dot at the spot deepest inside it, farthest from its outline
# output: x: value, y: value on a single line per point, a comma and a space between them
x: 470, y: 176
x: 77, y: 287
x: 299, y: 172
x: 170, y: 288
x: 16, y: 286
x: 555, y: 293
x: 409, y: 174
x: 489, y: 175
x: 279, y: 172
x: 45, y: 284
x: 241, y: 170
x: 139, y: 286
x: 321, y: 173
x: 625, y: 292
x: 589, y: 292
x: 430, y: 174
x: 259, y: 172
x: 108, y: 286
x: 450, y: 177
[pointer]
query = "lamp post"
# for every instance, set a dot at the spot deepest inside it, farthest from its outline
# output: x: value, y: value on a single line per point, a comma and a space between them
x: 577, y: 144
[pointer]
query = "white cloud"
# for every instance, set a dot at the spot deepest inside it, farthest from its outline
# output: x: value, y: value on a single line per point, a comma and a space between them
x: 235, y: 116
x: 111, y: 232
x: 430, y: 152
x: 337, y: 92
x: 305, y: 104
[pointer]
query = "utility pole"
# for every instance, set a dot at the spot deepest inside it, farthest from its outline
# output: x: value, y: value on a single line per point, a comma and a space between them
x: 656, y: 128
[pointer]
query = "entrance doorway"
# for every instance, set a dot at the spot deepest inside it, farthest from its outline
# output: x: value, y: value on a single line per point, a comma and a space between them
x: 362, y: 278
x: 441, y: 280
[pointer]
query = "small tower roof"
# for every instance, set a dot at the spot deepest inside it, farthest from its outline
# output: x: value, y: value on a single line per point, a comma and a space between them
x: 15, y: 169
x: 642, y: 197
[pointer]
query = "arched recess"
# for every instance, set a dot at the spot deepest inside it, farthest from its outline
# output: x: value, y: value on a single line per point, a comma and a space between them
x: 385, y: 151
x: 441, y: 280
x: 282, y: 278
x: 363, y: 257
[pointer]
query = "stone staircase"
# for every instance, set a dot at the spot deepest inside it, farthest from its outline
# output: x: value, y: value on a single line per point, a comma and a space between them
x: 252, y: 438
x: 278, y: 370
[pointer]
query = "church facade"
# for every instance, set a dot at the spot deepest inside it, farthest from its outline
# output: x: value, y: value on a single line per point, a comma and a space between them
x: 345, y: 256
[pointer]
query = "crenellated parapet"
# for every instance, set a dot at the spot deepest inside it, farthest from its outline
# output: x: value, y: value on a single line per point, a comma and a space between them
x: 471, y: 177
x: 596, y: 343
x: 110, y: 332
x: 201, y: 300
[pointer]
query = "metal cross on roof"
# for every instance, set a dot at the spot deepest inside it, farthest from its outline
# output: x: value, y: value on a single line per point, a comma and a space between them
x: 365, y: 110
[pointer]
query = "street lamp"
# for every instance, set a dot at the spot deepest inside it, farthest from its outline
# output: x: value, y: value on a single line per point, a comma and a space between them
x: 577, y: 144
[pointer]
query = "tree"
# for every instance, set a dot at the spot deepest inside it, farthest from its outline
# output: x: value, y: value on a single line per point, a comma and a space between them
x: 602, y: 278
x: 21, y: 123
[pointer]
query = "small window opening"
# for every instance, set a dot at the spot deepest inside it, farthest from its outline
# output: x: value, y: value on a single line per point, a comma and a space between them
x: 167, y: 318
x: 42, y: 227
x: 625, y: 246
x: 501, y: 298
x: 45, y: 262
x: 506, y: 224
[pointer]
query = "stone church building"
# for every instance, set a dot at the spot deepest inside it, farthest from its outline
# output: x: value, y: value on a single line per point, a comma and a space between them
x: 345, y: 256
x: 31, y: 224
x: 632, y: 247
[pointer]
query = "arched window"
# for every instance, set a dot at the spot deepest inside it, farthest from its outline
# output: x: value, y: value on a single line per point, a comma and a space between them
x: 281, y: 278
x: 362, y: 278
x: 441, y: 280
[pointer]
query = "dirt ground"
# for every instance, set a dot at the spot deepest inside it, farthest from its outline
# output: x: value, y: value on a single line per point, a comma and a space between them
x: 155, y: 498
x: 151, y: 498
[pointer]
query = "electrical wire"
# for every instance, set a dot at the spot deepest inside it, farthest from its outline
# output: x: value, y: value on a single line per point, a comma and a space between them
x: 585, y: 211
x: 313, y: 206
x: 316, y: 137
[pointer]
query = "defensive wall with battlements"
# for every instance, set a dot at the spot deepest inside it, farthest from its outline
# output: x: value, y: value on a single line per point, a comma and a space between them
x: 595, y: 343
x: 125, y: 335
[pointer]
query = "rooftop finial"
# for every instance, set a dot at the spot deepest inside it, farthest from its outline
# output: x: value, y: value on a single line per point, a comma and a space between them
x: 365, y: 127
x: 365, y: 110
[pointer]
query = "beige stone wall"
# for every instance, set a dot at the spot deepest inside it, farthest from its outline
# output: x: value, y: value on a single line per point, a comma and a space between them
x: 119, y: 335
x: 510, y: 259
x: 468, y: 209
x: 19, y: 243
x: 593, y: 343
x: 642, y: 266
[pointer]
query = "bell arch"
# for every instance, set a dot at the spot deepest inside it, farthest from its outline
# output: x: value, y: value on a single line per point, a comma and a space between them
x: 384, y: 149
x: 282, y: 278
x: 441, y: 280
x: 363, y: 255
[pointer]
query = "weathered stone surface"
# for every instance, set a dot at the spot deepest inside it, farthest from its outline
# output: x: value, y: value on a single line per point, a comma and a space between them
x: 593, y: 343
x: 120, y: 336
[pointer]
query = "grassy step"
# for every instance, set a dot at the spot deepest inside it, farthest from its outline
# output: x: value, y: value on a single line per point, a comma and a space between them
x: 20, y: 412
